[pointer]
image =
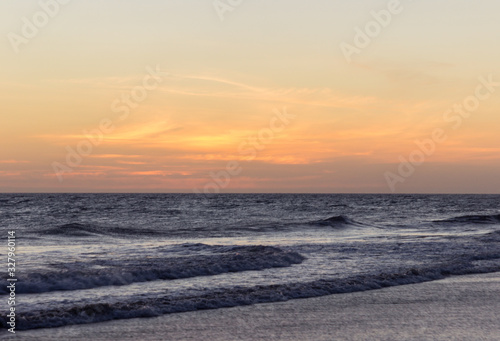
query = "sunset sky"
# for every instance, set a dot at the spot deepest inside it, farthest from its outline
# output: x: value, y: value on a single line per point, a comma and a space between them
x: 343, y: 124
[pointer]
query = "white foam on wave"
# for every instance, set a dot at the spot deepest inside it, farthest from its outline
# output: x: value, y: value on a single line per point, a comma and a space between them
x: 107, y: 272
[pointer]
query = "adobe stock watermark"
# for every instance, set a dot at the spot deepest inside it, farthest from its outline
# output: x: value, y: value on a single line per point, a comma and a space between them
x: 223, y: 6
x: 371, y: 30
x: 123, y: 105
x: 249, y: 149
x: 30, y: 27
x: 425, y: 148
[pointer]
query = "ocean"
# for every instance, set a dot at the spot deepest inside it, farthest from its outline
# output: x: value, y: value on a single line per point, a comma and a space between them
x: 88, y: 258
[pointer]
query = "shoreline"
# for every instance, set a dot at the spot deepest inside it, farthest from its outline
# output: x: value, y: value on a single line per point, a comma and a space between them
x: 459, y: 308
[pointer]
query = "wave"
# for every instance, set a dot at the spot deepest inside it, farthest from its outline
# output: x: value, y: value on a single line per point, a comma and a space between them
x: 99, y: 273
x: 491, y: 237
x: 472, y: 219
x: 11, y: 202
x: 88, y: 230
x: 237, y: 296
x: 336, y: 221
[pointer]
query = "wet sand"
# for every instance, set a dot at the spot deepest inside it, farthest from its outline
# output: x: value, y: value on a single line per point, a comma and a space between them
x: 456, y: 308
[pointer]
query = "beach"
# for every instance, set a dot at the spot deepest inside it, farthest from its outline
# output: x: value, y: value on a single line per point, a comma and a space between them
x: 455, y: 308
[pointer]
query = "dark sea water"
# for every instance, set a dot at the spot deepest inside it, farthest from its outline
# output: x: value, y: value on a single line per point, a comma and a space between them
x: 96, y: 257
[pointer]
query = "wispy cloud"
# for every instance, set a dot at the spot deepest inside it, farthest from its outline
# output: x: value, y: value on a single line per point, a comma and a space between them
x: 211, y: 87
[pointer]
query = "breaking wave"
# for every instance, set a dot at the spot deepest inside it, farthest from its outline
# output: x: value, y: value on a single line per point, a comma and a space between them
x: 237, y: 296
x: 99, y: 273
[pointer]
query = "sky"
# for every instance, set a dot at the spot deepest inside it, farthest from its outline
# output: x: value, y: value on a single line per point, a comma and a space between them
x: 316, y: 96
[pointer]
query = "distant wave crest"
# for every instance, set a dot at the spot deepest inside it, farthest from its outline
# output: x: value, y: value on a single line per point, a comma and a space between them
x: 472, y: 219
x: 336, y: 221
x: 88, y: 230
